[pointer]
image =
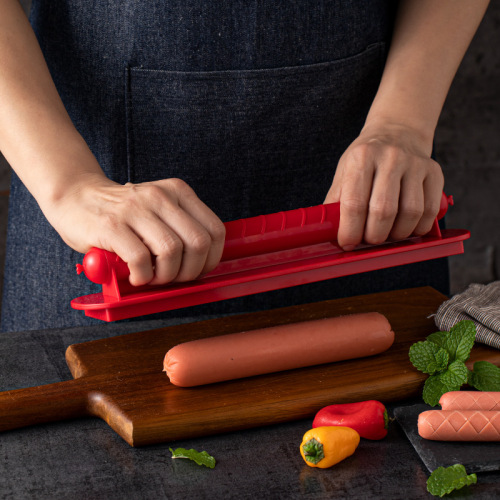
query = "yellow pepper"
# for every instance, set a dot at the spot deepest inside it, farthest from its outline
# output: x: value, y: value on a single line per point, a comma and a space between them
x: 326, y: 446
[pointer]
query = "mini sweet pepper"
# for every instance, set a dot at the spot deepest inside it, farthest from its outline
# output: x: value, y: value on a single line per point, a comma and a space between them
x: 326, y: 446
x: 368, y: 418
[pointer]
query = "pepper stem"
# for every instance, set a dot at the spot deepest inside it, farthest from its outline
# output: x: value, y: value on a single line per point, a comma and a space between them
x: 386, y: 419
x: 313, y: 451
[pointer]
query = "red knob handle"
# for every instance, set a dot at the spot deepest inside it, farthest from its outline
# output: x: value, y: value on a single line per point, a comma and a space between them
x: 98, y: 265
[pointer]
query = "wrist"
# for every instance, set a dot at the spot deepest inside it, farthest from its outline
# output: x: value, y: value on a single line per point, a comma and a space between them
x: 391, y: 128
x: 61, y: 173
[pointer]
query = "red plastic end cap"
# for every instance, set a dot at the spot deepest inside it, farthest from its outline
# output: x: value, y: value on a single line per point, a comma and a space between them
x: 96, y: 266
x: 446, y: 201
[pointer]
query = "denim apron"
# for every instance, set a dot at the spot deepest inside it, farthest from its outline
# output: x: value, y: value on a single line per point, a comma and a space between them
x: 251, y: 103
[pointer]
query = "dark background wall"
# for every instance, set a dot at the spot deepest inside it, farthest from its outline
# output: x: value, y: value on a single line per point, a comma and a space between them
x: 467, y: 146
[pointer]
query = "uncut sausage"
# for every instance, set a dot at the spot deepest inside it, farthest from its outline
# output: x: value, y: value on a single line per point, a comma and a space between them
x: 278, y: 348
x: 459, y: 425
x: 470, y: 400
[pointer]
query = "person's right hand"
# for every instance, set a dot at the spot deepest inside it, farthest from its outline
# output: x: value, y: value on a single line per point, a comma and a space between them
x: 161, y: 229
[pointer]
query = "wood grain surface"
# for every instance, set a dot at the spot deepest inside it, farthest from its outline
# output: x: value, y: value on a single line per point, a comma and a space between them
x: 120, y: 379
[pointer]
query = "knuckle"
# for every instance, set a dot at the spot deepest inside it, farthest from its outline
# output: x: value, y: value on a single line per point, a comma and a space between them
x: 383, y: 210
x: 218, y: 231
x: 169, y: 247
x: 436, y: 168
x: 394, y: 154
x: 431, y: 210
x: 179, y: 185
x: 412, y: 211
x: 353, y: 206
x: 360, y: 153
x: 200, y: 242
x: 140, y: 196
x: 153, y: 193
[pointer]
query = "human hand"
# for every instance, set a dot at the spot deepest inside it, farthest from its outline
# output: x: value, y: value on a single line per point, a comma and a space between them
x: 387, y: 186
x: 161, y: 229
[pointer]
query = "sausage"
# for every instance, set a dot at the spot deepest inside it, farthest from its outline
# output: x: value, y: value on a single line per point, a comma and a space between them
x: 470, y: 400
x: 459, y: 425
x: 278, y: 348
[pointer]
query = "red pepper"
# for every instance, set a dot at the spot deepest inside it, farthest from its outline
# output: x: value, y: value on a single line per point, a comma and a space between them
x: 368, y: 418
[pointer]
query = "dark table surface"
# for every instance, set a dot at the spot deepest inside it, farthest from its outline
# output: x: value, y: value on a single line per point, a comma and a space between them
x: 86, y: 459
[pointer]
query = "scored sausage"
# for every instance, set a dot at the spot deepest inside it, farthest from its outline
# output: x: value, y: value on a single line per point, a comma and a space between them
x: 470, y: 400
x: 278, y: 348
x: 459, y: 425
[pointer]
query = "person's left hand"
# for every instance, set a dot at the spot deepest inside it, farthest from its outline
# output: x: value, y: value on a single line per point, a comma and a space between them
x: 387, y: 185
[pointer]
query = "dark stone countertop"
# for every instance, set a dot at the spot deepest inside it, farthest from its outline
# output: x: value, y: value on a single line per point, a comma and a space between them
x: 85, y: 459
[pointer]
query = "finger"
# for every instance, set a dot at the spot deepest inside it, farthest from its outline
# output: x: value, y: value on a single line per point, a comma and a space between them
x: 354, y: 199
x: 187, y: 200
x: 164, y: 244
x: 213, y: 226
x: 433, y: 191
x: 130, y: 248
x: 195, y: 241
x: 411, y: 208
x: 383, y: 205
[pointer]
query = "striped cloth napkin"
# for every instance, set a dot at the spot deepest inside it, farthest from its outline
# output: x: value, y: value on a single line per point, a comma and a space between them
x: 479, y: 303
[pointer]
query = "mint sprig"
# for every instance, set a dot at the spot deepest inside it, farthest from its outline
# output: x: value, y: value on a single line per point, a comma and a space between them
x: 445, y: 480
x: 442, y: 356
x: 200, y: 457
x: 485, y: 376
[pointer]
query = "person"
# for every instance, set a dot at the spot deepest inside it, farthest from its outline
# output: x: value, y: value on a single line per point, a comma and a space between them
x: 140, y: 128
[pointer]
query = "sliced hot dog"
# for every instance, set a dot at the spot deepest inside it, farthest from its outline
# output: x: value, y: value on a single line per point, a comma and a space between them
x: 459, y: 425
x: 278, y: 348
x: 470, y: 400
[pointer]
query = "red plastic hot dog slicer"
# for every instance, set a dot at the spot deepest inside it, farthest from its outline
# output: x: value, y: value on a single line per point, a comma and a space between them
x: 261, y: 254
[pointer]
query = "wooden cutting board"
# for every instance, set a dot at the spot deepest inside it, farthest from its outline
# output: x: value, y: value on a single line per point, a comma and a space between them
x: 120, y: 379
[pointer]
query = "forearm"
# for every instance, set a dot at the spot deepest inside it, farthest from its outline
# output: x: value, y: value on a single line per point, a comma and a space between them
x: 429, y: 42
x: 37, y: 136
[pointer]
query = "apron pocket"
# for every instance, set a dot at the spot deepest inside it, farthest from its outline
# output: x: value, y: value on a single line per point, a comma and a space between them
x: 252, y: 141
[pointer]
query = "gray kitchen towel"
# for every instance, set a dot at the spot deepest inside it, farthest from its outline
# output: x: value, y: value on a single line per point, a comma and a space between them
x: 479, y: 303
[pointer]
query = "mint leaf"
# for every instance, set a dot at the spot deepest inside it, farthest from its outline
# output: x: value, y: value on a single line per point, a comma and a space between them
x: 434, y: 388
x: 460, y: 339
x: 438, y: 338
x: 428, y: 357
x: 444, y: 480
x: 447, y: 380
x: 485, y: 376
x: 200, y: 457
x: 455, y: 376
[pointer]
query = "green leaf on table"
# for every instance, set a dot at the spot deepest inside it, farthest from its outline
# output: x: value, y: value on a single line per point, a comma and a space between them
x: 485, y: 376
x: 428, y: 357
x: 200, y: 457
x: 445, y: 480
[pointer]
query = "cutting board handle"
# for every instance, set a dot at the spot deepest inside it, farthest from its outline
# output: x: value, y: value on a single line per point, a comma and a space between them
x: 42, y: 404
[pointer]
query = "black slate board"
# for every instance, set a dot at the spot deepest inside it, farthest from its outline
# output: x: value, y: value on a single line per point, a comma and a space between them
x: 475, y: 457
